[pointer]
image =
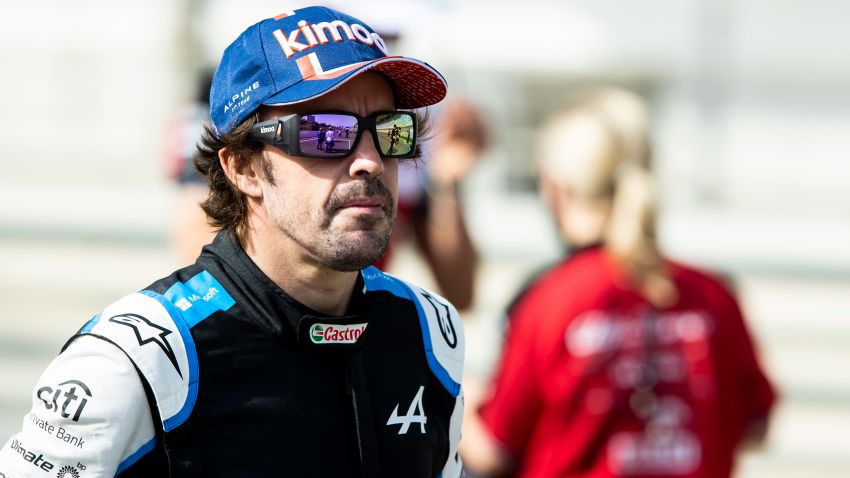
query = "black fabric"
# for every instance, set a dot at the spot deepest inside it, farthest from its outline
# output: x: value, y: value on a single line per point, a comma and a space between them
x: 367, y: 441
x: 270, y: 406
x: 154, y: 463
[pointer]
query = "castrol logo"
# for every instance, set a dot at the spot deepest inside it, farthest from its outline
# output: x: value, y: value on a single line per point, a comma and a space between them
x: 336, y: 334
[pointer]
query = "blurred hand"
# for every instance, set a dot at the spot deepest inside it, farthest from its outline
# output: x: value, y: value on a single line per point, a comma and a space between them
x: 461, y: 138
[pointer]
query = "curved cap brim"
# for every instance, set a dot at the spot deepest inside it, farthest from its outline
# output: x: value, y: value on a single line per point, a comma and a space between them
x: 416, y: 84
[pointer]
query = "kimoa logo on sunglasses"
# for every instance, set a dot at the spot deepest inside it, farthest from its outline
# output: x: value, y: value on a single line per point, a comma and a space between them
x: 266, y: 129
x: 336, y: 334
x: 317, y: 34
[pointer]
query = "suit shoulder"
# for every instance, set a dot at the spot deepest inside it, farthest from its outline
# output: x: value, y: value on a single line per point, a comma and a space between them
x: 153, y: 333
x: 442, y: 329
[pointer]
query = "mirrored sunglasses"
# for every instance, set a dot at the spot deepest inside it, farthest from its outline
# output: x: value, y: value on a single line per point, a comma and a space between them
x: 335, y: 134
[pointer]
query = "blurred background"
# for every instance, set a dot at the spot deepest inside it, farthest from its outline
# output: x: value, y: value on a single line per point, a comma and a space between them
x: 751, y: 126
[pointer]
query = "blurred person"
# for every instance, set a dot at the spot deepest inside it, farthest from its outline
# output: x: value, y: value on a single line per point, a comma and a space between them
x: 618, y: 362
x: 279, y: 351
x: 321, y: 139
x: 430, y: 206
x: 190, y: 229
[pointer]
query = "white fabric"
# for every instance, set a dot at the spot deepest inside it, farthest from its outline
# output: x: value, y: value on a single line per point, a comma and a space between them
x: 160, y: 342
x: 446, y: 331
x: 454, y: 465
x: 93, y: 382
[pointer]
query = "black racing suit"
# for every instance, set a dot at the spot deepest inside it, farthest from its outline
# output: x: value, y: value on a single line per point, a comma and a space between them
x: 243, y: 380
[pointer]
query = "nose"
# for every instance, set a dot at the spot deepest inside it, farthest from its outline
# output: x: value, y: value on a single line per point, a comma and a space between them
x: 366, y: 161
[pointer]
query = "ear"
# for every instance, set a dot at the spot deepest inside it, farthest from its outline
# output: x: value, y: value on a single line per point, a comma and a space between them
x: 240, y: 172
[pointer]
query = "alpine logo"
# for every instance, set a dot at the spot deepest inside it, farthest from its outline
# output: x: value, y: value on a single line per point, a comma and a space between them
x: 149, y: 333
x: 68, y: 399
x: 241, y: 97
x: 415, y: 414
x: 336, y: 334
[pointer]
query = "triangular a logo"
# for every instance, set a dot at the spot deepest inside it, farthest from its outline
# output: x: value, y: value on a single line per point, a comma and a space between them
x: 415, y: 414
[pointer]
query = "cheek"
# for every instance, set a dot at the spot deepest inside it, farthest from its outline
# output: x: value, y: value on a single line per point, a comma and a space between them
x: 304, y: 186
x: 303, y: 195
x: 390, y: 176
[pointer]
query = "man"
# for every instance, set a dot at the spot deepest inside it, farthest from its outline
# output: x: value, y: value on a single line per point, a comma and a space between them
x: 329, y: 141
x: 321, y: 138
x: 276, y: 353
x: 394, y: 134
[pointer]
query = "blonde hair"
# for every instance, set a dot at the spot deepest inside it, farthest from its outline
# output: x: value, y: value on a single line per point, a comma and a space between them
x: 599, y: 151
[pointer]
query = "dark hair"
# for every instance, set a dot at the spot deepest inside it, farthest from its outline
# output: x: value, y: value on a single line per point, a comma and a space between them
x: 225, y: 206
x: 423, y: 133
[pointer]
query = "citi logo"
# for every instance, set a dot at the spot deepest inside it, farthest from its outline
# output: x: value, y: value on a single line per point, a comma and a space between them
x: 336, y: 334
x: 266, y: 129
x: 317, y: 34
x: 68, y: 399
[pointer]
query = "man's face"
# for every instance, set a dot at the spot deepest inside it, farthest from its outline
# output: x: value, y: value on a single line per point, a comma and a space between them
x: 337, y: 213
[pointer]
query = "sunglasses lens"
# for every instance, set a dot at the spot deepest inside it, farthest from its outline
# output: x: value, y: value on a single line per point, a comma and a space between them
x: 328, y: 134
x: 396, y: 133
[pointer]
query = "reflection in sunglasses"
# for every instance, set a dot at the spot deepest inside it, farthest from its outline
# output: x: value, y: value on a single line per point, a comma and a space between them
x: 337, y: 134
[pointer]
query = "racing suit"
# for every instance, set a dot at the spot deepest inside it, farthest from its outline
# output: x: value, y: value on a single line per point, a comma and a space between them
x: 216, y: 371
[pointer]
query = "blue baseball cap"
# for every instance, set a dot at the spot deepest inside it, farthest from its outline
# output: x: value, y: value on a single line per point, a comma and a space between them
x: 303, y: 54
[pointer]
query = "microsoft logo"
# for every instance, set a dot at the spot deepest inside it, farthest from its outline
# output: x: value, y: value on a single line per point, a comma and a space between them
x: 183, y: 304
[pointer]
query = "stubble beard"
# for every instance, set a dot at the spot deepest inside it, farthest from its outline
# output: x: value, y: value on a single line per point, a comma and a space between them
x: 360, y: 245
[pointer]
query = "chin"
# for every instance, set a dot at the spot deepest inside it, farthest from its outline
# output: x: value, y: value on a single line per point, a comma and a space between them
x: 354, y: 250
x: 353, y: 261
x: 364, y: 235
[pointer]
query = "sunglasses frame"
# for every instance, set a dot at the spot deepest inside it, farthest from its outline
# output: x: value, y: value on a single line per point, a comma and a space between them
x: 284, y: 132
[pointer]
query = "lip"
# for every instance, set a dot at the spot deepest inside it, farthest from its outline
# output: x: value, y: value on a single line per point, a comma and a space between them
x: 367, y: 203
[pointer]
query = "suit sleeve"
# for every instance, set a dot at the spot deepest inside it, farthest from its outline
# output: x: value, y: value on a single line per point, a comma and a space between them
x: 90, y: 417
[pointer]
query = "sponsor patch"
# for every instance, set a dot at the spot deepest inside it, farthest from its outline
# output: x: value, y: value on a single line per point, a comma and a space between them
x: 57, y: 432
x: 199, y: 297
x: 68, y: 399
x: 28, y: 455
x: 68, y: 472
x: 447, y: 329
x: 148, y: 332
x: 336, y: 334
x: 323, y: 33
